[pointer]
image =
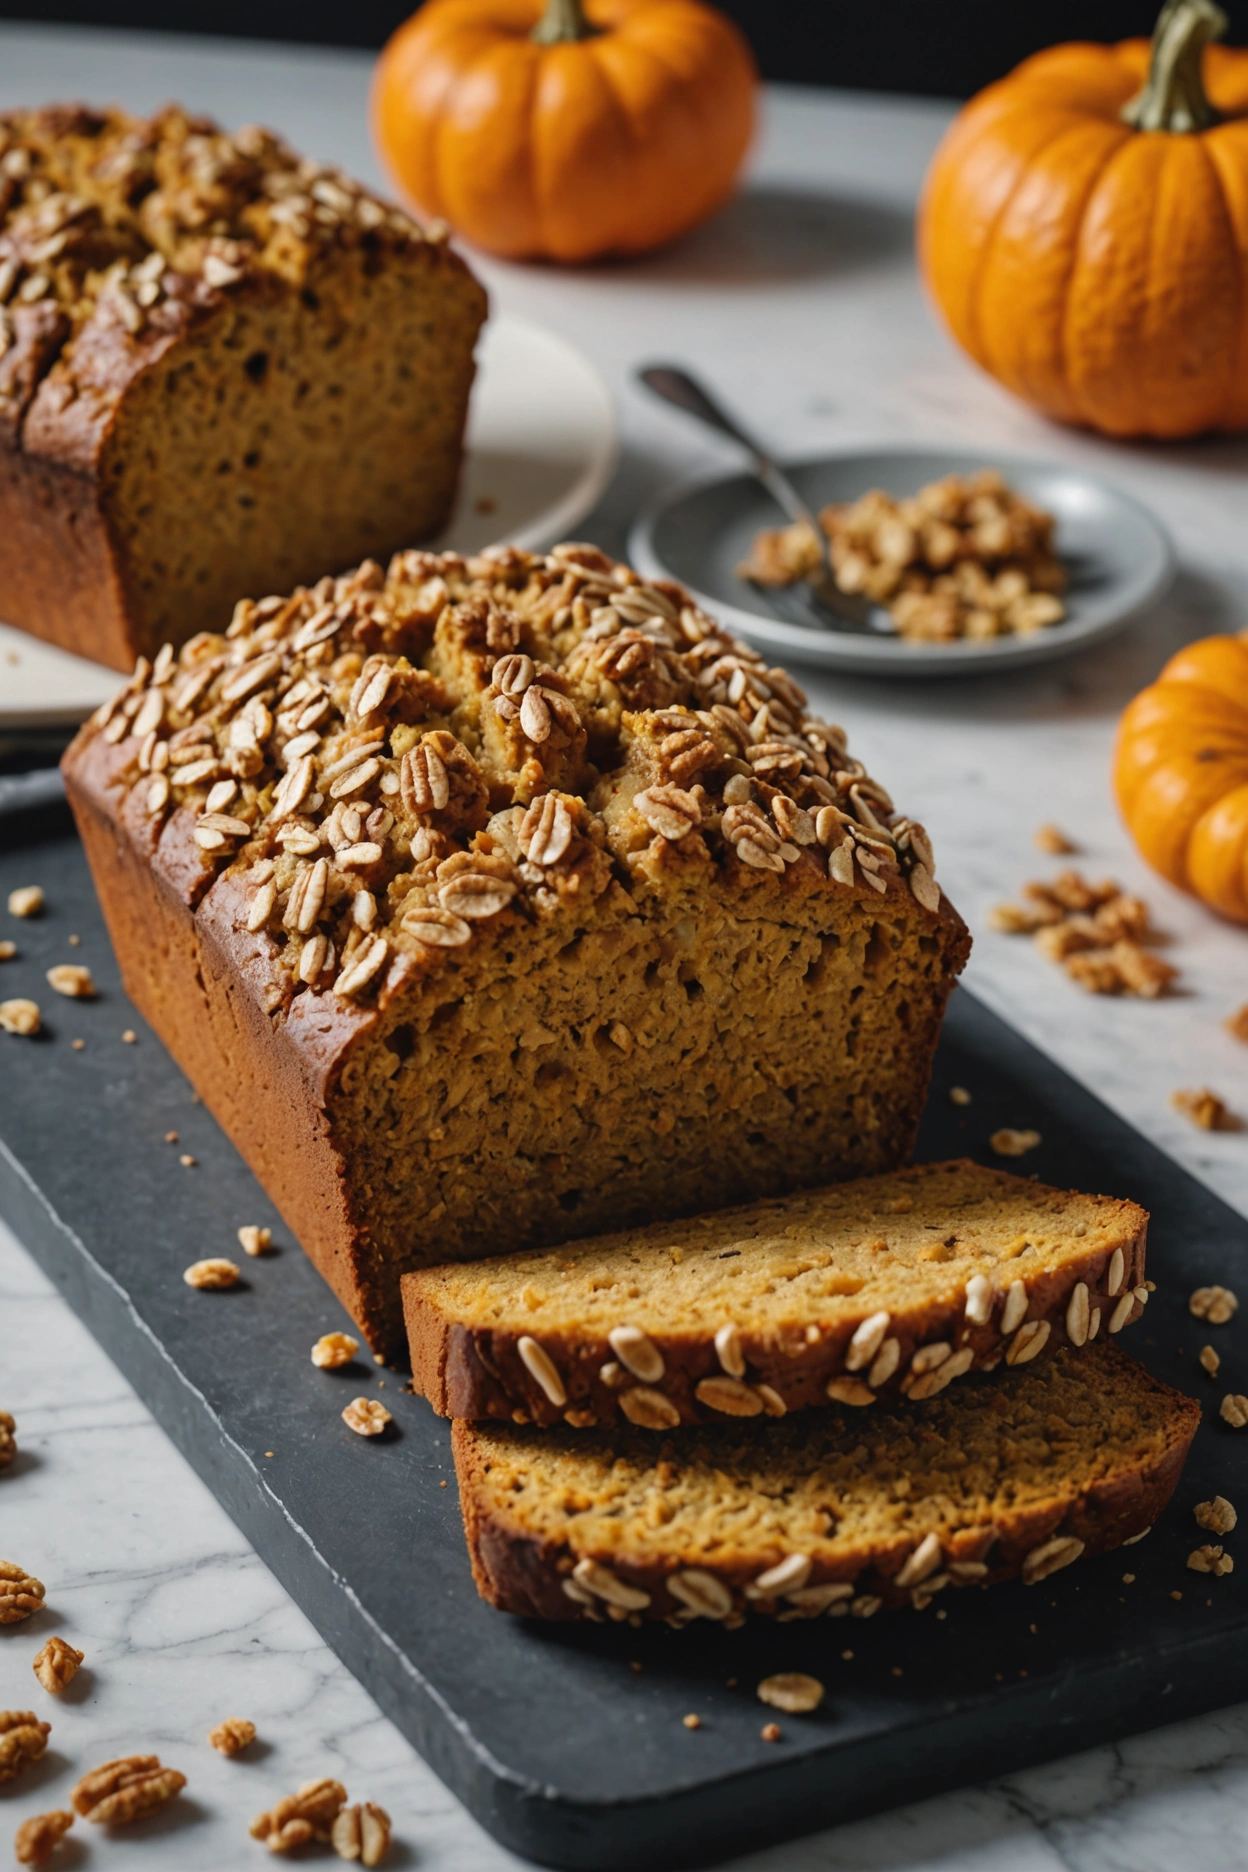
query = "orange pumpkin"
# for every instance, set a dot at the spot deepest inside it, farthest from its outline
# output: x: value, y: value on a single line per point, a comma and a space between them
x: 1084, y: 230
x: 565, y: 134
x: 1181, y: 773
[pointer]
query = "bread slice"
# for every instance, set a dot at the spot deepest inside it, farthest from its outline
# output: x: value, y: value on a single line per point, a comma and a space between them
x: 892, y: 1283
x: 837, y: 1514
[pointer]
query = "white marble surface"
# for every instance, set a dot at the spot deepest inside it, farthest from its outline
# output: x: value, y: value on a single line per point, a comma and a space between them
x: 801, y: 301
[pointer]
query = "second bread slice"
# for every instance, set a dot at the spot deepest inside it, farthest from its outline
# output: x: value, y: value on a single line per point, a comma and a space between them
x: 892, y: 1283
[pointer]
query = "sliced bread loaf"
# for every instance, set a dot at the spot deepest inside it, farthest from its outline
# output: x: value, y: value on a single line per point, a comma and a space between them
x: 891, y: 1283
x: 840, y: 1514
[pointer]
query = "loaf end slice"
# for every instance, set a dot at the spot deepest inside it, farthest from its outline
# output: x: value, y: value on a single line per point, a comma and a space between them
x: 903, y: 1282
x: 829, y: 1517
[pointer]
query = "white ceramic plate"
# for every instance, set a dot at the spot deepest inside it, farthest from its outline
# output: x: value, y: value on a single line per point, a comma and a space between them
x: 541, y: 449
x: 1118, y: 556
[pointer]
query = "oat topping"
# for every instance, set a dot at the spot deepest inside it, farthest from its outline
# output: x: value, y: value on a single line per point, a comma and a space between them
x: 1233, y: 1410
x: 366, y: 1416
x: 213, y: 1274
x: 1205, y: 1109
x: 23, y: 1739
x: 71, y: 979
x: 1050, y: 1557
x: 57, y: 1664
x: 398, y: 762
x: 233, y: 1735
x: 37, y: 1838
x: 1210, y: 1361
x: 362, y: 1832
x: 791, y: 1691
x: 333, y: 1349
x: 1097, y: 932
x: 126, y: 1789
x: 308, y: 1814
x: 20, y: 1594
x: 1215, y: 1304
x: 8, y: 1439
x: 1216, y: 1515
x: 1210, y: 1560
x: 26, y: 902
x: 20, y: 1017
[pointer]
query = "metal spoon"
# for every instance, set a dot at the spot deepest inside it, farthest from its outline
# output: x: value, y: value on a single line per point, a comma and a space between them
x: 676, y: 386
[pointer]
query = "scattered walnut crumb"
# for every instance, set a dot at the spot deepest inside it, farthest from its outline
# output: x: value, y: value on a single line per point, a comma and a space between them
x: 38, y: 1838
x: 1210, y: 1360
x: 770, y: 1732
x: 362, y: 1832
x: 8, y: 1439
x: 1205, y: 1109
x: 1128, y: 1579
x: 297, y: 1818
x: 73, y: 979
x: 27, y: 902
x: 77, y: 1045
x: 171, y: 1137
x: 23, y: 1739
x: 1215, y: 1304
x: 1217, y: 1515
x: 366, y: 1416
x: 792, y: 1691
x: 1095, y: 931
x: 1053, y: 841
x: 1233, y: 1410
x: 1236, y: 1024
x: 333, y: 1349
x: 129, y: 1036
x: 75, y: 942
x: 1008, y: 1143
x: 126, y: 1789
x: 187, y: 1161
x: 57, y: 1665
x: 692, y: 1722
x: 233, y: 1735
x: 1210, y: 1560
x: 7, y: 950
x: 20, y: 1593
x: 20, y: 1016
x: 213, y: 1274
x: 255, y: 1241
x: 958, y: 1095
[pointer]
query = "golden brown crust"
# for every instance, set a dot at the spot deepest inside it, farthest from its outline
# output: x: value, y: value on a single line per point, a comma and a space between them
x: 1097, y: 1499
x: 473, y: 1368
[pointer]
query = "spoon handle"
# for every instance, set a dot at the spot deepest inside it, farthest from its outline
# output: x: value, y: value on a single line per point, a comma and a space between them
x: 686, y: 393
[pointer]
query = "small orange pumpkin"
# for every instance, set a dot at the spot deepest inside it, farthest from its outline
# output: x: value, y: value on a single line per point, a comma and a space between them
x: 1181, y: 773
x: 1084, y: 230
x: 566, y: 133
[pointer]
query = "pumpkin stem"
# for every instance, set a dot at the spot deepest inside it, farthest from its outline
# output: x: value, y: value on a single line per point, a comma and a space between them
x: 562, y: 21
x: 1174, y: 96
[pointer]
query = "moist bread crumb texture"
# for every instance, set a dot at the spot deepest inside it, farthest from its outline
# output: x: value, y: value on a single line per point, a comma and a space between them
x: 904, y: 1282
x: 495, y: 902
x: 223, y: 368
x: 833, y: 1515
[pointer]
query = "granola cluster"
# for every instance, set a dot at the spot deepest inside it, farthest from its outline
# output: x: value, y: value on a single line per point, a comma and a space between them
x: 391, y: 763
x: 1097, y: 932
x: 136, y: 224
x: 961, y: 558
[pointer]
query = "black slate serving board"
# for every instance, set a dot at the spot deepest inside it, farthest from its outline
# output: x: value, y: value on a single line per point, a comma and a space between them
x: 549, y: 1736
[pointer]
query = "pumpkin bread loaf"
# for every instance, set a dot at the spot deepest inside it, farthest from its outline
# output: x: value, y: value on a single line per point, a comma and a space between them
x: 497, y: 902
x: 222, y: 369
x: 837, y: 1513
x: 900, y: 1283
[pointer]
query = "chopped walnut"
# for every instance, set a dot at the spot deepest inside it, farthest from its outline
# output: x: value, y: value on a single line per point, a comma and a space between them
x: 1210, y: 1560
x: 125, y: 1789
x: 1202, y: 1106
x: 7, y: 950
x: 1210, y: 1361
x: 20, y: 1016
x: 297, y: 1818
x: 57, y: 1665
x: 1215, y: 1304
x: 23, y: 1739
x: 792, y: 1691
x: 20, y: 1595
x: 8, y: 1439
x: 1236, y: 1024
x: 1009, y: 1143
x: 1216, y: 1515
x: 255, y: 1241
x: 1095, y: 932
x: 770, y: 1732
x: 1234, y: 1410
x: 26, y: 902
x: 233, y: 1735
x: 366, y: 1416
x: 1052, y: 840
x: 37, y: 1838
x: 72, y: 979
x: 212, y: 1274
x: 333, y: 1349
x: 362, y: 1832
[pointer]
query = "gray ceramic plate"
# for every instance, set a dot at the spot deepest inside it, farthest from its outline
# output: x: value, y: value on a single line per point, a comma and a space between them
x: 1118, y: 556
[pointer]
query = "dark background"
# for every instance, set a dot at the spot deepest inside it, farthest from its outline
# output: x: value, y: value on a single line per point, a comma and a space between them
x: 946, y: 48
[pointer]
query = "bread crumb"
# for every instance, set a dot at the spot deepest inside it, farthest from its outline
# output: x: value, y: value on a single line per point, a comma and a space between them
x: 7, y: 951
x: 130, y: 1037
x: 26, y: 902
x: 171, y: 1137
x: 78, y: 1045
x: 187, y: 1161
x: 1205, y: 1109
x: 770, y: 1732
x: 74, y: 942
x: 692, y: 1722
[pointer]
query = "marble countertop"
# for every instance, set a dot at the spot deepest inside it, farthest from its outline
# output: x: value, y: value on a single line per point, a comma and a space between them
x: 801, y: 301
